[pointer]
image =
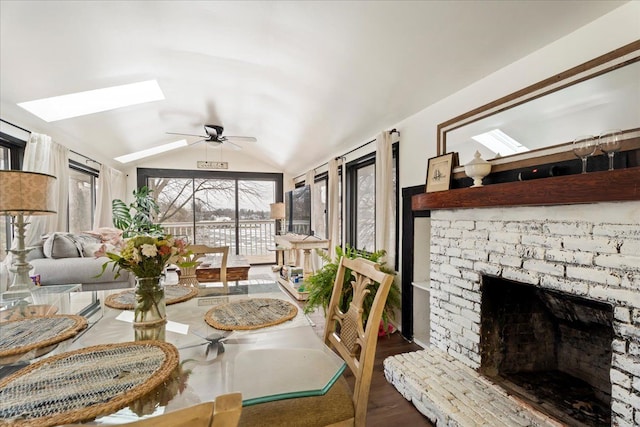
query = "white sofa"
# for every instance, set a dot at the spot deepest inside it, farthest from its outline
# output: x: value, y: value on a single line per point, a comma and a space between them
x: 65, y: 258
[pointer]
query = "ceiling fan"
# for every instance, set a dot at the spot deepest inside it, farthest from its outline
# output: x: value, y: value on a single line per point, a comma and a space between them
x: 214, y: 136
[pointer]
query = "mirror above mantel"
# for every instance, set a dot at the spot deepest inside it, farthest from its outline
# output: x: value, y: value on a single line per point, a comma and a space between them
x: 544, y: 118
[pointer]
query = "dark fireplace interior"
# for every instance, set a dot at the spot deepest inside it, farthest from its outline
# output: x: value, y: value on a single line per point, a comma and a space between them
x: 550, y: 349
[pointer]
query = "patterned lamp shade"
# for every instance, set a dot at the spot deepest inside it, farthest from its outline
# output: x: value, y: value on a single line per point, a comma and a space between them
x: 277, y: 210
x: 29, y: 193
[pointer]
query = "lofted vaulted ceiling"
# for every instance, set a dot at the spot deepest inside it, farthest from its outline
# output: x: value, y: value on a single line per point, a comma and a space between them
x: 306, y: 78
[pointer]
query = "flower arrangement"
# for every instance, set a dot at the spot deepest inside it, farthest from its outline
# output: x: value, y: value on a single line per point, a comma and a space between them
x: 145, y: 256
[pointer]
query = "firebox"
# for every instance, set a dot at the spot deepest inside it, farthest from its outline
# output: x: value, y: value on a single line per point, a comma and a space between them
x: 551, y: 349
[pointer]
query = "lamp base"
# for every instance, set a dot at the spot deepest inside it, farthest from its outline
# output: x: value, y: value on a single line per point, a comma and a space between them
x: 20, y: 267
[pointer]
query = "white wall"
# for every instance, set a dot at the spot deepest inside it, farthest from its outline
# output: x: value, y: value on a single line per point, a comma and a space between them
x: 418, y: 132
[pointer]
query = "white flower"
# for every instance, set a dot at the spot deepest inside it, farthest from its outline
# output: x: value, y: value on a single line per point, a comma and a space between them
x: 149, y: 250
x: 135, y: 256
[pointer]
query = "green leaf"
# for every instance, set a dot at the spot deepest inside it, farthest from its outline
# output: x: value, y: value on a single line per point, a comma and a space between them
x: 320, y: 284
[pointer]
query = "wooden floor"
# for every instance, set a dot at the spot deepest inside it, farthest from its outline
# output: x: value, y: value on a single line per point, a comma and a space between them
x: 387, y: 407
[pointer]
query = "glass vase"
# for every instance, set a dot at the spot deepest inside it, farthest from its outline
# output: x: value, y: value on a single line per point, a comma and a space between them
x: 150, y: 315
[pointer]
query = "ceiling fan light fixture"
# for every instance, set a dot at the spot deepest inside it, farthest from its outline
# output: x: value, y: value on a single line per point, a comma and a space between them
x: 128, y: 158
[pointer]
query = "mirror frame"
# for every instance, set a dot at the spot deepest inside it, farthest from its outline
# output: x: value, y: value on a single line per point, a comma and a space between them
x: 610, y: 61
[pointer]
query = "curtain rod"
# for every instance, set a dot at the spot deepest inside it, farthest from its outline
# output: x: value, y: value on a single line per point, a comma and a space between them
x: 88, y: 159
x: 394, y: 130
x: 28, y: 131
x: 15, y: 126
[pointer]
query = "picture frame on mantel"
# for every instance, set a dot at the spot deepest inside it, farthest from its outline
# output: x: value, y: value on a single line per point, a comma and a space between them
x: 439, y: 171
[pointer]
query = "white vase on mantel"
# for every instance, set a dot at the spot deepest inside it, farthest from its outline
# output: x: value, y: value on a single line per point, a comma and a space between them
x: 477, y: 169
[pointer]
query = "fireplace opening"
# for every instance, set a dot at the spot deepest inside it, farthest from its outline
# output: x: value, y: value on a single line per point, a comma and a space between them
x: 550, y: 349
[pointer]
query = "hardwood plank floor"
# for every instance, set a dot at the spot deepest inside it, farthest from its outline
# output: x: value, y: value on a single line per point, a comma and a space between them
x: 386, y: 406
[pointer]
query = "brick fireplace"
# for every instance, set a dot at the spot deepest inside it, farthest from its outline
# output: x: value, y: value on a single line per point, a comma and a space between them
x: 586, y: 253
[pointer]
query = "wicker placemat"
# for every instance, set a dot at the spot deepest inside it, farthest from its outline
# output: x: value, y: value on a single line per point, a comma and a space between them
x: 83, y: 384
x: 24, y: 311
x: 22, y: 336
x: 173, y: 294
x: 253, y: 313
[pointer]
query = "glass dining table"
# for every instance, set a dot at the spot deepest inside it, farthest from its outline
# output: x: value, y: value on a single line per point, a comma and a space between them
x: 272, y: 363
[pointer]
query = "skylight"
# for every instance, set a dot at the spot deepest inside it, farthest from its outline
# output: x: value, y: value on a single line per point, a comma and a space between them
x: 500, y: 143
x: 93, y: 101
x: 127, y: 158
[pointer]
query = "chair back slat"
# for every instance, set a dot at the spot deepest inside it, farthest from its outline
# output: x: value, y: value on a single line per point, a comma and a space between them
x: 200, y: 251
x: 354, y: 337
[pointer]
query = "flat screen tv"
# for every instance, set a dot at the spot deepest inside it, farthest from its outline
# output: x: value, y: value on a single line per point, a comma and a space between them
x: 298, y: 211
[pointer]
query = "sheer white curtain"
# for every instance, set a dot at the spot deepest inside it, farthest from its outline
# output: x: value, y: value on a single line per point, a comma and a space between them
x: 333, y: 205
x: 385, y: 216
x: 309, y: 179
x: 112, y: 184
x: 44, y: 155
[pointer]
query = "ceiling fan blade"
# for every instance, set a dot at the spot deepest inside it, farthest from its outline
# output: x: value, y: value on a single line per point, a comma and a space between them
x: 241, y: 138
x: 232, y: 145
x: 186, y: 134
x: 198, y: 141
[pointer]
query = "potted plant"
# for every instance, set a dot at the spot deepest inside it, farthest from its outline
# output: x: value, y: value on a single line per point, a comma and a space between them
x: 320, y: 285
x: 137, y: 218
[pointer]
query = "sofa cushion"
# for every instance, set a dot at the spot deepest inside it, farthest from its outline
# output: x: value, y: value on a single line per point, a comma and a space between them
x: 60, y: 245
x: 66, y: 245
x: 35, y: 253
x: 77, y: 270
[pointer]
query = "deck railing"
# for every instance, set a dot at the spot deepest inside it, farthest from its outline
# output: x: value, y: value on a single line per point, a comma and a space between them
x: 255, y: 236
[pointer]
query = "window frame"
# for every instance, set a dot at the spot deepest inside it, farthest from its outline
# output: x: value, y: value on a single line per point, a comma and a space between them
x: 93, y: 174
x: 144, y: 174
x: 350, y: 193
x: 16, y: 149
x: 352, y: 168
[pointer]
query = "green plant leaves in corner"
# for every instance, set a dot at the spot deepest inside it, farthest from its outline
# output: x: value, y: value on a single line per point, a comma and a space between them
x: 320, y: 284
x: 137, y: 218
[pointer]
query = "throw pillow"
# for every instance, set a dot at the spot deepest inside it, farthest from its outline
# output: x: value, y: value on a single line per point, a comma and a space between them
x: 60, y: 245
x: 107, y: 235
x: 89, y: 250
x: 67, y: 245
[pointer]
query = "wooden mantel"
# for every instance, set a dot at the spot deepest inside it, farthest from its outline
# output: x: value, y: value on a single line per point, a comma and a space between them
x: 605, y: 186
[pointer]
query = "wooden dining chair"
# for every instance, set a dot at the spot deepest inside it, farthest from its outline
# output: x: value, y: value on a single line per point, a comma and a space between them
x: 200, y: 251
x: 224, y: 412
x: 354, y: 341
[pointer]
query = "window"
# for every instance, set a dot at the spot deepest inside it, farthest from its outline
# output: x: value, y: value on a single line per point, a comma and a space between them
x: 82, y: 197
x: 319, y: 206
x: 11, y: 153
x: 218, y: 208
x: 365, y: 208
x: 361, y: 201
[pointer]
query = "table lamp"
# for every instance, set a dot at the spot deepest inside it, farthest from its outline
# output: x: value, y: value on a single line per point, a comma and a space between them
x: 277, y: 213
x: 24, y: 193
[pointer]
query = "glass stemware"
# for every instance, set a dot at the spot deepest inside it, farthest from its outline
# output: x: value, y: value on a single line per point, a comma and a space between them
x: 584, y: 147
x: 610, y: 142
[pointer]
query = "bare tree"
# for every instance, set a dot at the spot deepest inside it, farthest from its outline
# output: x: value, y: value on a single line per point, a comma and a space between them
x: 178, y: 196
